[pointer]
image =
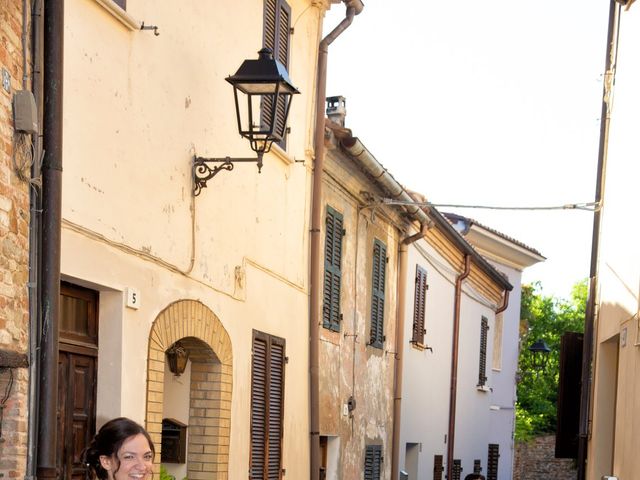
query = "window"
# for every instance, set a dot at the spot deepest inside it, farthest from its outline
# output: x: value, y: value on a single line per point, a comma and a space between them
x: 456, y: 471
x: 277, y: 27
x: 438, y: 467
x: 373, y: 462
x: 419, y: 305
x: 497, y: 343
x: 267, y: 401
x: 334, y: 232
x: 492, y: 461
x: 482, y: 370
x: 377, y: 293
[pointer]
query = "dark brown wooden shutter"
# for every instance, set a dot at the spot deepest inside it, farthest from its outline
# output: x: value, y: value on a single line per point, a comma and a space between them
x: 267, y: 402
x: 456, y: 471
x: 438, y: 467
x: 569, y: 395
x: 332, y: 272
x: 493, y: 457
x: 482, y: 370
x: 477, y: 466
x: 419, y: 305
x: 373, y: 462
x: 277, y: 28
x: 377, y: 293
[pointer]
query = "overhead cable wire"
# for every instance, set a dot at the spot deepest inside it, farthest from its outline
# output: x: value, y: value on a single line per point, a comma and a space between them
x: 588, y: 206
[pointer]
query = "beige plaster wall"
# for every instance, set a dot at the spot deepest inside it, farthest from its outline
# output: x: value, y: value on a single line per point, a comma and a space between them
x: 348, y: 366
x: 619, y: 271
x: 137, y: 108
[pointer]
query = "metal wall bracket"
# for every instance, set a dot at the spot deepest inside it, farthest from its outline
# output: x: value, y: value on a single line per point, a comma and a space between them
x: 202, y: 172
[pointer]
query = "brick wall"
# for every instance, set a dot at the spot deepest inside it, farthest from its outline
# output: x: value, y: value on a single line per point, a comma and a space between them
x: 535, y: 460
x: 14, y: 224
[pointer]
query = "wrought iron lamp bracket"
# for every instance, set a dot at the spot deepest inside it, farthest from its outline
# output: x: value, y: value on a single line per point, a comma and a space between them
x: 203, y: 172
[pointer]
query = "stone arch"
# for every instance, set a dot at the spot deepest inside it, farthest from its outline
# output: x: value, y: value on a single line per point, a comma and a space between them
x: 202, y: 333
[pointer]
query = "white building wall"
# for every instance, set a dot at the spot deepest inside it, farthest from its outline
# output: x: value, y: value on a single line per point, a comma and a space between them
x: 426, y: 374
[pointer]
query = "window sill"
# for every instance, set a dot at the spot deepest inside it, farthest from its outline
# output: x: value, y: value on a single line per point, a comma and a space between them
x: 484, y: 388
x: 282, y: 154
x: 420, y: 346
x: 119, y: 14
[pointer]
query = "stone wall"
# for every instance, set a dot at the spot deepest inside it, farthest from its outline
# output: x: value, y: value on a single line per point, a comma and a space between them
x: 534, y: 460
x: 14, y: 244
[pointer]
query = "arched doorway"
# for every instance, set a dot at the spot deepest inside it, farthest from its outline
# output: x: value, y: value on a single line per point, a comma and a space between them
x: 209, y: 425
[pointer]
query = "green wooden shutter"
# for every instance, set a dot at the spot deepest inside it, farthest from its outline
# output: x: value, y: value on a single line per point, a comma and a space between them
x: 277, y: 28
x: 332, y: 270
x: 373, y: 462
x: 267, y: 401
x: 420, y: 298
x: 377, y: 293
x: 482, y: 369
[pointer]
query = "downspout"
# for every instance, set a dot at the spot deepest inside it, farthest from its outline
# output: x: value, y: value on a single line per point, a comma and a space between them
x: 35, y: 229
x: 590, y: 314
x: 397, y: 386
x: 51, y: 229
x: 454, y: 365
x: 354, y: 7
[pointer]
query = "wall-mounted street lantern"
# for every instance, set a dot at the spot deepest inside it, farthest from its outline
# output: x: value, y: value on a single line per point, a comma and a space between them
x: 262, y: 91
x: 539, y: 355
x: 177, y: 356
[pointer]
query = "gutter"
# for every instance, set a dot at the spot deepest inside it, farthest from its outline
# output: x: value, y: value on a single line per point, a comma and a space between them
x: 426, y: 215
x: 354, y: 7
x: 51, y: 237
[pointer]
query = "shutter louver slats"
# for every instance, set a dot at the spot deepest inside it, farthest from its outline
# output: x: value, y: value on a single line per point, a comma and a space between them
x: 258, y: 408
x: 332, y: 270
x: 419, y: 308
x: 438, y: 467
x: 277, y: 27
x: 492, y: 461
x: 267, y: 402
x: 372, y: 462
x: 377, y: 294
x: 482, y: 370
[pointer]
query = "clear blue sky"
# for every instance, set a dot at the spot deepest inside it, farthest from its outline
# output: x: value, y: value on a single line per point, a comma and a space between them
x: 484, y: 102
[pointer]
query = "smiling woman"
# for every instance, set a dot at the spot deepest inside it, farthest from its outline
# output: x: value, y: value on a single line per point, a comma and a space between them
x: 121, y: 449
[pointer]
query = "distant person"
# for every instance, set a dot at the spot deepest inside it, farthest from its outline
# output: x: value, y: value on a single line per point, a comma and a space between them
x: 474, y: 476
x: 120, y: 450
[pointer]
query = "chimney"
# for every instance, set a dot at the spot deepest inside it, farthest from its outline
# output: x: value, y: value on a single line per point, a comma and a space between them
x: 336, y: 109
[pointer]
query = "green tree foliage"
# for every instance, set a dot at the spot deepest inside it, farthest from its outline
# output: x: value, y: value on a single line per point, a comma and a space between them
x: 544, y: 318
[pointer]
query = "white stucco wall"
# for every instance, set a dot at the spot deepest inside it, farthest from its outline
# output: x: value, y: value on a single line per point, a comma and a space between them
x: 482, y: 416
x: 426, y: 374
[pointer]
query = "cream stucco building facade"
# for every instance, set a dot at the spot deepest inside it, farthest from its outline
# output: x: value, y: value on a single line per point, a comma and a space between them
x: 614, y: 423
x: 215, y: 272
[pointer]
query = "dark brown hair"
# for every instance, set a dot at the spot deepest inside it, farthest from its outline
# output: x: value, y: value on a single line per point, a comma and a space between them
x: 108, y: 441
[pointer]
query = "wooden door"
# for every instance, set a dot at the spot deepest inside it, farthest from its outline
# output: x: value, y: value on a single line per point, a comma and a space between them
x: 77, y: 375
x: 76, y: 411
